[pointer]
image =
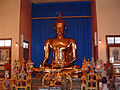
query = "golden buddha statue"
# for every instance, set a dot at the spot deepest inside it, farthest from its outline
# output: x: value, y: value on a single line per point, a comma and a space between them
x: 63, y: 49
x: 64, y: 54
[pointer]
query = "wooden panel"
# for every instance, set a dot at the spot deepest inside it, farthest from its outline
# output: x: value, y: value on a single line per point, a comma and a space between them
x: 94, y: 29
x: 25, y: 25
x: 54, y: 1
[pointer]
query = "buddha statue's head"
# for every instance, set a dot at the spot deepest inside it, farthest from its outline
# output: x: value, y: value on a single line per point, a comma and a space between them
x: 60, y: 25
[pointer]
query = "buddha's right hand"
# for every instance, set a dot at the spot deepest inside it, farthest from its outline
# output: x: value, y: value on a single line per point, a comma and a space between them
x: 42, y: 65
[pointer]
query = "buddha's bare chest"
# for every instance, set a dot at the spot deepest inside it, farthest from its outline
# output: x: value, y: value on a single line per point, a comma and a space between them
x: 57, y: 44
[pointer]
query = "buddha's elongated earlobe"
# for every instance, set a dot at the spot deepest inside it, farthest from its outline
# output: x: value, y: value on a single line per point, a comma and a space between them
x: 65, y: 27
x: 54, y: 28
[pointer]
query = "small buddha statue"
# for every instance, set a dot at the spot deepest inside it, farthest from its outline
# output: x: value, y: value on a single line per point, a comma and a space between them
x: 84, y: 67
x: 63, y: 49
x: 91, y: 74
x: 84, y: 70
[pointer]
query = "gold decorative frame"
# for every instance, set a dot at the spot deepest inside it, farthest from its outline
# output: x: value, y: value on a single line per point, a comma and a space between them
x: 4, y: 56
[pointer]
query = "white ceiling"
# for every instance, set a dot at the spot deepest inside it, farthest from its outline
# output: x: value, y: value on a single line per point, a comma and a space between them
x: 53, y: 1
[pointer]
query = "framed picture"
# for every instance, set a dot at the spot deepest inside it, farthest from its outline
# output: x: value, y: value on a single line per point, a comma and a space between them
x: 4, y: 56
x: 114, y: 54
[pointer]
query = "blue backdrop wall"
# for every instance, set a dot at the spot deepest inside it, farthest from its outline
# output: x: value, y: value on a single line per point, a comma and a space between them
x: 77, y: 28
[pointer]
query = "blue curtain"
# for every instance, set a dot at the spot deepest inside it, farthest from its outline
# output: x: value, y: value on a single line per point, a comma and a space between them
x: 67, y: 9
x: 78, y: 29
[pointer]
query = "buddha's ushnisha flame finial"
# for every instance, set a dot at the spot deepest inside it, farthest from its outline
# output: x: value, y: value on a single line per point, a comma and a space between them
x: 60, y: 15
x: 60, y: 20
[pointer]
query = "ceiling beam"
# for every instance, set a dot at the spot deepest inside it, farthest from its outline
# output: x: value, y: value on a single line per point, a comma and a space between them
x: 54, y: 1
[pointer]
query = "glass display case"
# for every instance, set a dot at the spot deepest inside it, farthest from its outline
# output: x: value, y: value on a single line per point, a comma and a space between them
x: 117, y: 82
x: 116, y: 68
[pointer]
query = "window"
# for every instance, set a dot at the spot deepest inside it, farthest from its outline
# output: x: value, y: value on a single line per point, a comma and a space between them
x: 110, y: 40
x: 1, y: 43
x: 113, y: 39
x: 5, y: 43
x: 25, y: 45
x: 117, y: 40
x: 26, y: 50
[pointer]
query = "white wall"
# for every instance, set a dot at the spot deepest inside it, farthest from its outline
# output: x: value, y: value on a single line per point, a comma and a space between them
x: 108, y: 23
x: 9, y: 23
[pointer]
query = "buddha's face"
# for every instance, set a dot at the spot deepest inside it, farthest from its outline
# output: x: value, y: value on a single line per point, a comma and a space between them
x: 59, y: 28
